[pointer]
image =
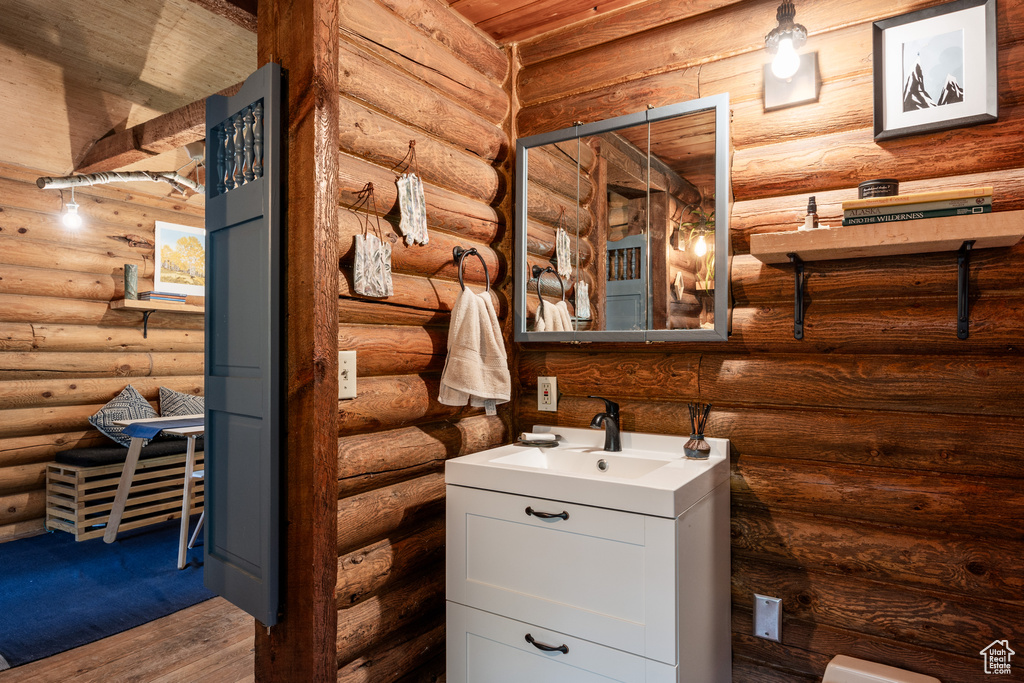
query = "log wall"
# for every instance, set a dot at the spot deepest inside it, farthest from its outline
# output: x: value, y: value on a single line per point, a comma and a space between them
x: 877, y: 464
x: 411, y: 70
x: 63, y: 351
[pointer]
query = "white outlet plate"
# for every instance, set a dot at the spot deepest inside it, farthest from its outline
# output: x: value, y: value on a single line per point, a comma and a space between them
x: 547, y: 394
x: 346, y: 374
x: 768, y: 617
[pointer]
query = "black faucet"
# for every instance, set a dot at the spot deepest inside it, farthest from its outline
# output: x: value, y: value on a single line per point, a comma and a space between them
x: 609, y: 419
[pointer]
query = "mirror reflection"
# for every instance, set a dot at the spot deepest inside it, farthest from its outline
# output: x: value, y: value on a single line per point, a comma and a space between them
x: 620, y: 228
x: 621, y: 211
x: 556, y: 225
x: 682, y: 196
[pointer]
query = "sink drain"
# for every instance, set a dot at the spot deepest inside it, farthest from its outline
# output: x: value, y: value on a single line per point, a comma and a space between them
x: 602, y: 465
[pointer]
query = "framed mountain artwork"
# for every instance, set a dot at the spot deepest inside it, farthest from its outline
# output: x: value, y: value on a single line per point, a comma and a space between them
x: 935, y: 69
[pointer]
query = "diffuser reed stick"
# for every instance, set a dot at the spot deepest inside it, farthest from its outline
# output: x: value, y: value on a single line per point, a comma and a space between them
x: 697, y: 448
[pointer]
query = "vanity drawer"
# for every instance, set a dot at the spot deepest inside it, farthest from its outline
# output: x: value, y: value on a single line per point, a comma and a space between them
x: 487, y: 648
x: 600, y: 575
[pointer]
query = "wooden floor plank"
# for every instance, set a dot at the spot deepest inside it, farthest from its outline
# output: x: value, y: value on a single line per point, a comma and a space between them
x: 127, y: 644
x: 213, y: 632
x: 229, y: 660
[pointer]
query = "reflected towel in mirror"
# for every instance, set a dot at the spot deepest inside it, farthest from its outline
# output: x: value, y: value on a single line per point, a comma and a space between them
x: 553, y: 317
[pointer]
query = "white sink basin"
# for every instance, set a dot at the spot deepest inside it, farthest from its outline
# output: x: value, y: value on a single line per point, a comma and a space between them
x: 649, y: 476
x: 585, y: 461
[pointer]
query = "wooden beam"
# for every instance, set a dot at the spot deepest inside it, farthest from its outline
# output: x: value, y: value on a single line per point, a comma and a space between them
x: 241, y: 12
x: 302, y: 35
x: 164, y: 133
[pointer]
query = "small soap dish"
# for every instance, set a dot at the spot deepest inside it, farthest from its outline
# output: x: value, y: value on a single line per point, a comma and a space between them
x: 546, y: 442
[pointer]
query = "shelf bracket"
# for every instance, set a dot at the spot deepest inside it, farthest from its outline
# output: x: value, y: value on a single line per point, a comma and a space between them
x: 798, y: 296
x: 145, y: 323
x: 963, y: 290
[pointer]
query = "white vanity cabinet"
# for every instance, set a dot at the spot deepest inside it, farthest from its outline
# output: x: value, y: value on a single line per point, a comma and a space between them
x: 620, y: 596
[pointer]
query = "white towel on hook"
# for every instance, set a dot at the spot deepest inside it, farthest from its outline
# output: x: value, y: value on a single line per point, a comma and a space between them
x: 476, y: 371
x: 553, y: 317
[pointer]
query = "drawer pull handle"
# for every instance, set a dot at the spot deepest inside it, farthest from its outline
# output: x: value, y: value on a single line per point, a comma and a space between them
x: 547, y: 515
x: 564, y: 649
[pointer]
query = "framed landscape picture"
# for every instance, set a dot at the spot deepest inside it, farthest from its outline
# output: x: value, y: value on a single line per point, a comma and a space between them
x: 180, y: 259
x: 935, y: 69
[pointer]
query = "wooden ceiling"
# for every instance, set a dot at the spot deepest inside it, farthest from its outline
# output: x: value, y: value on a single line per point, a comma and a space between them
x: 509, y: 21
x: 71, y: 72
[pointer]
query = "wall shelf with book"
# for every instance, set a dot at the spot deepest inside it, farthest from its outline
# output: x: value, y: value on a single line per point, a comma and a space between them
x: 952, y: 233
x: 1002, y: 229
x: 149, y: 307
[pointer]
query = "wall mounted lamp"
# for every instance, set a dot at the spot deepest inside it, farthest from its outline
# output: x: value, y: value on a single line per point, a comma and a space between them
x: 784, y: 40
x: 700, y: 247
x: 693, y: 234
x: 791, y: 78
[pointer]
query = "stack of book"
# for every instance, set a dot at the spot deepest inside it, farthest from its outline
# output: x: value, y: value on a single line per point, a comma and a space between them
x: 162, y: 296
x: 908, y: 207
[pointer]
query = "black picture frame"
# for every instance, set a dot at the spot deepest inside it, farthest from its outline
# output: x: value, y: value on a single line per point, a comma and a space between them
x: 980, y: 96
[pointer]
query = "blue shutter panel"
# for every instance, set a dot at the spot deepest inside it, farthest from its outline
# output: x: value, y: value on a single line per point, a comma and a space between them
x: 244, y: 360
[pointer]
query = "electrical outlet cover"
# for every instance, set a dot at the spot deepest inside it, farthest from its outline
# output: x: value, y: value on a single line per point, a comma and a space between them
x: 768, y: 617
x: 547, y: 394
x: 346, y: 374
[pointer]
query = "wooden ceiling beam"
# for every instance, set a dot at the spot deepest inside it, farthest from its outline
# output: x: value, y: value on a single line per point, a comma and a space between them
x: 164, y: 133
x: 241, y: 12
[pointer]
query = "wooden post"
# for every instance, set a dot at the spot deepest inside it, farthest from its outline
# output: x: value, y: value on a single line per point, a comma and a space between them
x: 302, y: 35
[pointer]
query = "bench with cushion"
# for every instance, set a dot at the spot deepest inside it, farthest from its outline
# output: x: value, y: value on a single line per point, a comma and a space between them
x: 81, y: 483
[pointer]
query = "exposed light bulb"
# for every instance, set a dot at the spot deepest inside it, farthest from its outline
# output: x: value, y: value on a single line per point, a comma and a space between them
x: 701, y: 246
x: 787, y: 61
x: 71, y: 218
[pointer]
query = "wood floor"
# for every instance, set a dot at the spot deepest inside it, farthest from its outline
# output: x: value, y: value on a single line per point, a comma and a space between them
x: 210, y: 642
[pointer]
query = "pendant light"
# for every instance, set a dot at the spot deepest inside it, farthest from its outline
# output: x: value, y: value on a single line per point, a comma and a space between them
x: 71, y: 218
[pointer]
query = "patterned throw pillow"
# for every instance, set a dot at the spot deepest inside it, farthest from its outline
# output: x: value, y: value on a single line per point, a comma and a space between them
x: 128, y: 405
x: 176, y: 403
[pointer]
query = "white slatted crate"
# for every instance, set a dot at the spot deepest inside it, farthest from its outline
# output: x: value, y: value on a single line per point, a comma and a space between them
x: 79, y: 498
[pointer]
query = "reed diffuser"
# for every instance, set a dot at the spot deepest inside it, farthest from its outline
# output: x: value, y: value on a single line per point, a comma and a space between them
x: 697, y: 448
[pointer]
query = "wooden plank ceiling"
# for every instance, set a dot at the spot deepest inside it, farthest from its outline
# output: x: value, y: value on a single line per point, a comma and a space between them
x: 75, y: 71
x: 509, y: 21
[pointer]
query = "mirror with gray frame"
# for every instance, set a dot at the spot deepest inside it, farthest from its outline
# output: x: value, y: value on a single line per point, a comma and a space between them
x: 620, y: 224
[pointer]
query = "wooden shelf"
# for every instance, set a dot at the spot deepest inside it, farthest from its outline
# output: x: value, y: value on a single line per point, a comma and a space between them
x: 149, y: 307
x: 1002, y: 229
x: 136, y: 305
x: 955, y: 233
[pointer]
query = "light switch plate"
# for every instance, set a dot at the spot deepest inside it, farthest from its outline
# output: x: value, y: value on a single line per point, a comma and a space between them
x: 346, y: 374
x: 547, y: 394
x: 768, y: 617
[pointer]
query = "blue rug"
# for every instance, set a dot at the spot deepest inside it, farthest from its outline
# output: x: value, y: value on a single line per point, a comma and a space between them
x: 56, y: 594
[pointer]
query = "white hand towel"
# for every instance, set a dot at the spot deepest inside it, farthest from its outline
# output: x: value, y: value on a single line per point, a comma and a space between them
x: 553, y: 317
x: 477, y: 368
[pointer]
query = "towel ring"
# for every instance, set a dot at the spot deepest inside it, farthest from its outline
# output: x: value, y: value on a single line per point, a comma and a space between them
x: 460, y: 255
x: 537, y: 271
